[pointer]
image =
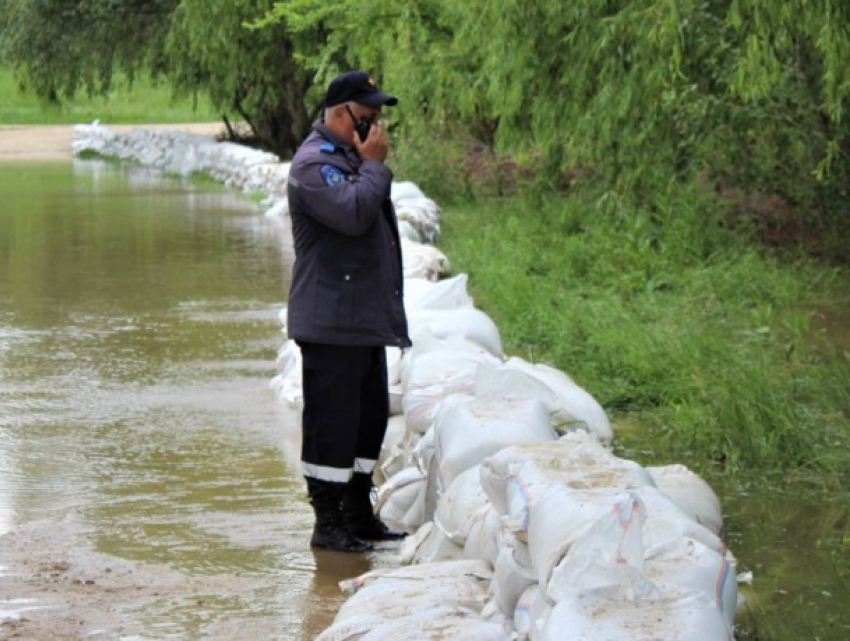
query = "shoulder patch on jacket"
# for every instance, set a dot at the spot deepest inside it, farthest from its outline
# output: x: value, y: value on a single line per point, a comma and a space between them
x: 327, y: 147
x: 333, y: 175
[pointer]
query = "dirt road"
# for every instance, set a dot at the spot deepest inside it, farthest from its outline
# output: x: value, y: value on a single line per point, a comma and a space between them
x: 42, y: 143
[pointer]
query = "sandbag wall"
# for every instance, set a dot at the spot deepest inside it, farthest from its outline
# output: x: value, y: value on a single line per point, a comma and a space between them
x: 524, y: 524
x: 496, y: 465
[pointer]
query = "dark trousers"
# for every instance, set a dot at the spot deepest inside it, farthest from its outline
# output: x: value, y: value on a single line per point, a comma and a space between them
x: 346, y: 408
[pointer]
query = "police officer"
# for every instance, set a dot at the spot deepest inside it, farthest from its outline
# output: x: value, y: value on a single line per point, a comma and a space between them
x: 345, y: 307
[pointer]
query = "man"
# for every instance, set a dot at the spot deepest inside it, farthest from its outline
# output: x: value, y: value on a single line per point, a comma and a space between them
x: 345, y: 307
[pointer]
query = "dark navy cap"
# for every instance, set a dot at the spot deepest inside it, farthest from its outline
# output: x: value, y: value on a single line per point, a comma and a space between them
x: 359, y: 87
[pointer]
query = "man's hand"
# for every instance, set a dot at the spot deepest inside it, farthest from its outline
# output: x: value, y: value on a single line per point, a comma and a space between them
x: 376, y: 145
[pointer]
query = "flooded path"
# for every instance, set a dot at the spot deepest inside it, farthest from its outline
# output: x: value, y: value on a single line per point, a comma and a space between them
x: 148, y: 478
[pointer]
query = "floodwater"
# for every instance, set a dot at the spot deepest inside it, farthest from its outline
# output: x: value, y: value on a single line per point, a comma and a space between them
x: 149, y: 485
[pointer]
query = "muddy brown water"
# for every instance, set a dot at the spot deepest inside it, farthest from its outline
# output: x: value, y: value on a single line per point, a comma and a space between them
x: 149, y: 483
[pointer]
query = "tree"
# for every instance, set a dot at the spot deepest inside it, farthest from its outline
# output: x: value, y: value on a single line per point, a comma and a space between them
x: 253, y: 74
x: 641, y: 92
x: 62, y: 46
x: 59, y: 47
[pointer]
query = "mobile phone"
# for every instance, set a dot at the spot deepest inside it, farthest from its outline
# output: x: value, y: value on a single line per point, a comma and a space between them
x: 363, y: 127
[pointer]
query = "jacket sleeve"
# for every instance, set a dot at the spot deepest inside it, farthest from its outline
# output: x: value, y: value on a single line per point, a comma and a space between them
x: 350, y: 207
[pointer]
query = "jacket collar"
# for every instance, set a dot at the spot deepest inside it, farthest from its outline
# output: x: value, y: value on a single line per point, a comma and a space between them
x: 326, y: 133
x: 347, y: 148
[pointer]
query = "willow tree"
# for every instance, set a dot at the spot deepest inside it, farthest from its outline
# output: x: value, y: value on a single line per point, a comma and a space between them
x: 252, y: 75
x: 59, y: 47
x: 638, y: 91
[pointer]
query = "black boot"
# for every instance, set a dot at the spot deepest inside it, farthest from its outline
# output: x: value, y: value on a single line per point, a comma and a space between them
x: 359, y: 516
x: 330, y: 531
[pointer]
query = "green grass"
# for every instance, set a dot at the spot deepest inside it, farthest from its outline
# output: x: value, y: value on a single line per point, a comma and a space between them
x: 144, y: 102
x: 669, y: 320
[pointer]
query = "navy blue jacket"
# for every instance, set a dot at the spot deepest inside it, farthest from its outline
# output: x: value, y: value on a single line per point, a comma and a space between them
x: 347, y: 280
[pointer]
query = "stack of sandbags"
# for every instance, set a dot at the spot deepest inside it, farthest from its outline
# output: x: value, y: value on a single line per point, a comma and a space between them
x: 422, y: 296
x: 183, y: 153
x: 587, y: 537
x: 418, y: 216
x: 434, y: 601
x: 256, y: 171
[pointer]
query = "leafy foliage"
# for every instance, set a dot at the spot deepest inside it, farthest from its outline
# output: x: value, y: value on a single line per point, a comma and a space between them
x: 252, y: 74
x: 60, y: 47
x: 63, y: 46
x: 752, y: 95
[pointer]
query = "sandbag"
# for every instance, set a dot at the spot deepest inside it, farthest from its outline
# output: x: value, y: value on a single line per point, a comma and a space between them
x: 608, y: 559
x: 531, y: 612
x: 686, y: 563
x: 422, y: 261
x: 691, y: 493
x: 436, y: 624
x: 570, y: 406
x: 434, y: 375
x: 684, y: 616
x: 449, y: 293
x: 436, y: 546
x: 460, y: 505
x: 470, y: 323
x: 500, y: 469
x: 467, y: 433
x: 483, y: 539
x: 511, y: 577
x: 393, y: 599
x: 477, y: 570
x: 401, y: 500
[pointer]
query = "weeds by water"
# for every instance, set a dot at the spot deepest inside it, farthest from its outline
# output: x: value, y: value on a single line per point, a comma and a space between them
x: 664, y: 314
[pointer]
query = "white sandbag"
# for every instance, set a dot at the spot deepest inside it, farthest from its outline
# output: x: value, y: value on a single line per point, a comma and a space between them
x: 686, y: 563
x: 460, y: 505
x: 407, y: 230
x: 483, y: 540
x: 449, y: 293
x: 667, y: 522
x: 469, y: 322
x: 558, y: 516
x: 531, y: 612
x: 500, y: 469
x: 436, y: 546
x: 393, y: 599
x: 391, y: 448
x: 395, y: 432
x: 352, y: 628
x: 682, y: 616
x: 401, y: 500
x: 427, y: 342
x: 608, y: 559
x: 396, y: 401
x: 477, y: 570
x: 393, y: 356
x: 465, y: 434
x: 404, y: 190
x: 425, y: 362
x: 287, y: 384
x: 511, y: 577
x: 516, y: 479
x: 691, y: 493
x: 572, y: 407
x: 437, y: 624
x: 433, y: 376
x: 422, y: 261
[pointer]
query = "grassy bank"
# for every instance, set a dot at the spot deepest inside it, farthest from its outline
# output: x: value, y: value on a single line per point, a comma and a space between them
x: 143, y: 102
x: 671, y: 321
